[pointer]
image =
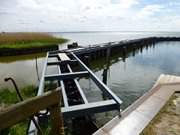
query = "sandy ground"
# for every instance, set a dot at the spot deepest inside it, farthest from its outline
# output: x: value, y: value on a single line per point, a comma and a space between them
x: 167, y: 121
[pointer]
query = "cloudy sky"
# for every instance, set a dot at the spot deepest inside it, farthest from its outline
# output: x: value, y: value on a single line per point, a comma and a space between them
x: 89, y: 15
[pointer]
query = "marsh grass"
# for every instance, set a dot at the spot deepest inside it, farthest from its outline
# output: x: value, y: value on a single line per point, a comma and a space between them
x: 9, y: 97
x: 28, y: 40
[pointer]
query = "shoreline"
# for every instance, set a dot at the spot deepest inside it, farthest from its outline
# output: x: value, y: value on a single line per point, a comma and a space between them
x: 14, y: 44
x: 26, y: 51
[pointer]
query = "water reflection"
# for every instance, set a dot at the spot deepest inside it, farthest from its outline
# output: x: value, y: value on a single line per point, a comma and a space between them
x: 132, y: 74
x: 10, y: 59
x: 22, y: 68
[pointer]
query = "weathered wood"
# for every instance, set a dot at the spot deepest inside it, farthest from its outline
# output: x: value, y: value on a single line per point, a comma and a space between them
x: 20, y: 111
x: 57, y: 121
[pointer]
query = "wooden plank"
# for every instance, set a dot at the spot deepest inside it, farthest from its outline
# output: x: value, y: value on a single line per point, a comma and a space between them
x: 27, y: 108
x: 63, y: 56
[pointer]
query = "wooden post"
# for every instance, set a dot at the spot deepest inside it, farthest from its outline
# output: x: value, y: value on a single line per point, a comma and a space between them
x: 56, y: 119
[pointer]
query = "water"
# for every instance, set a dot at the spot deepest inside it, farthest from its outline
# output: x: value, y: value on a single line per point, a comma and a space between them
x: 21, y: 68
x: 129, y: 79
x: 91, y: 38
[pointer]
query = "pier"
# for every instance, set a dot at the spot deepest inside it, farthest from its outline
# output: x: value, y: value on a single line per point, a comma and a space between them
x: 102, y: 50
x: 74, y: 101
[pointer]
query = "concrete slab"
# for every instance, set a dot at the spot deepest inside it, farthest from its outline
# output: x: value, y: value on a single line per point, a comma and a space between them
x: 101, y: 132
x: 164, y: 92
x: 131, y: 124
x: 151, y: 107
x: 167, y: 79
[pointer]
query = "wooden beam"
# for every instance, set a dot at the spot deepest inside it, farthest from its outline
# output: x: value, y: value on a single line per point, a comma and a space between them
x: 20, y: 111
x: 57, y: 121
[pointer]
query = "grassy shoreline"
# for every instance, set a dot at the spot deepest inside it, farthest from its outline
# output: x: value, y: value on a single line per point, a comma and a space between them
x: 27, y: 43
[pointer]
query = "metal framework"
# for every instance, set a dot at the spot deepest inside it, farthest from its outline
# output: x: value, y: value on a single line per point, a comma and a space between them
x: 68, y: 81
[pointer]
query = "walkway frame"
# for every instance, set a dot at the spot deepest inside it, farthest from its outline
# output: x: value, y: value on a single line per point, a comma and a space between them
x: 86, y: 108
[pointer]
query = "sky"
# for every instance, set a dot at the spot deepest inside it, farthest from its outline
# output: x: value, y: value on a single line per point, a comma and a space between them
x: 89, y: 15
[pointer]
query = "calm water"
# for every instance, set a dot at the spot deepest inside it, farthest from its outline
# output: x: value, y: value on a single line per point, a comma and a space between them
x: 129, y: 79
x: 91, y: 38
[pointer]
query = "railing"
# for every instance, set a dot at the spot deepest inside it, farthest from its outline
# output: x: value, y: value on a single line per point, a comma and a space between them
x: 30, y: 107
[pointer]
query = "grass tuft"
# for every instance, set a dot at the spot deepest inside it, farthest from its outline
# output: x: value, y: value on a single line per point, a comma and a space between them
x: 9, y: 97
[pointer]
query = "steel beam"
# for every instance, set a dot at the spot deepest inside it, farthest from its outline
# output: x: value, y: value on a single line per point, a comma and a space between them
x: 53, y: 55
x: 41, y: 83
x: 98, y: 82
x: 64, y: 96
x: 90, y: 108
x: 66, y: 76
x: 79, y: 87
x: 61, y: 62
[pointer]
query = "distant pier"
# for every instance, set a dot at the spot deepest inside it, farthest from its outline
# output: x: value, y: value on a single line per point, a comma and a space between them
x: 102, y: 50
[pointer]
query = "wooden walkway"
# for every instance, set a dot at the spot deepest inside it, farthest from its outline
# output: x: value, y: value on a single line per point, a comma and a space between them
x: 136, y: 117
